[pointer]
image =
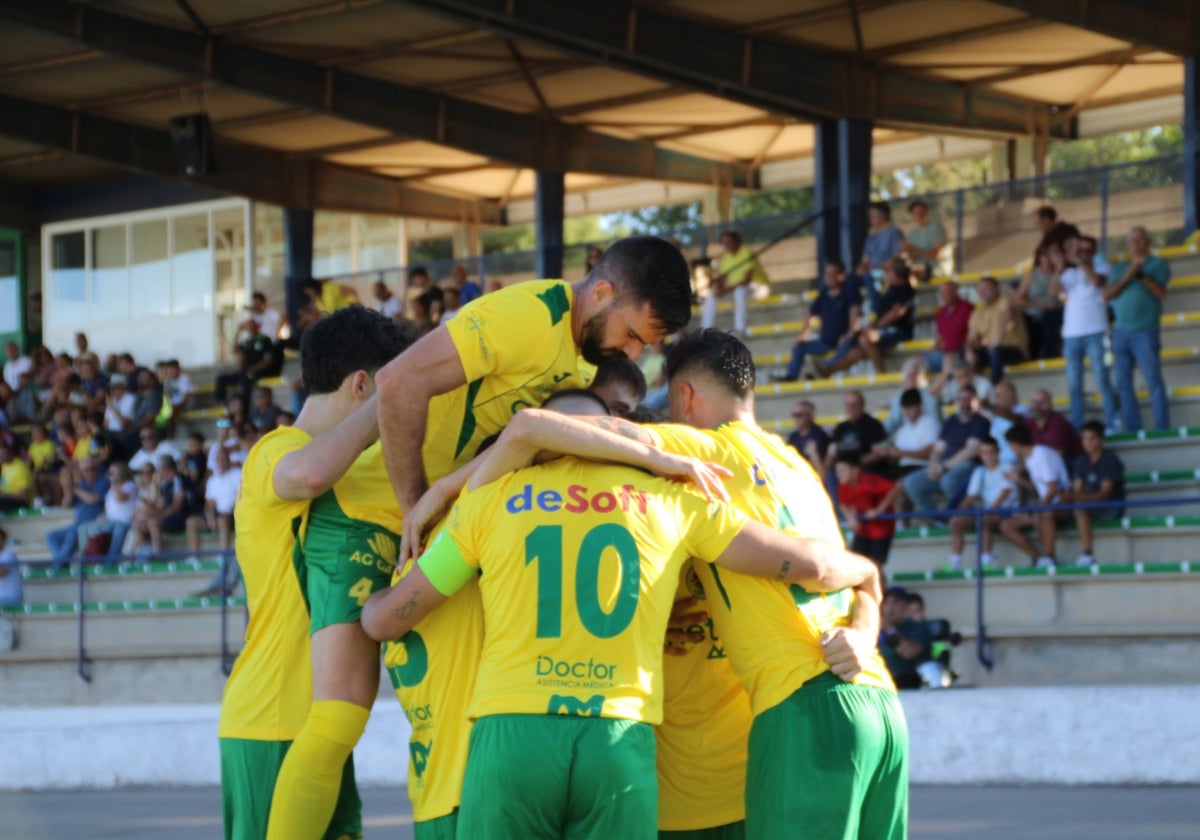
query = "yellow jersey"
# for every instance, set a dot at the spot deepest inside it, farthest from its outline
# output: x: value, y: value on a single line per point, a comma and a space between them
x: 741, y: 266
x: 365, y: 493
x: 15, y: 478
x: 83, y: 448
x: 772, y: 630
x: 702, y: 739
x: 579, y: 564
x: 42, y: 453
x: 269, y: 692
x: 516, y: 348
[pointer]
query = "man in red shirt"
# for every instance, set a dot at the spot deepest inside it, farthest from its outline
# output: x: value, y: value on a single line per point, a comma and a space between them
x: 862, y: 496
x: 1050, y: 428
x: 952, y: 318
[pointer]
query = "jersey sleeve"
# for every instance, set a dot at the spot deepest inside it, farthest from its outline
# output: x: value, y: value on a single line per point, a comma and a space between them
x: 714, y: 527
x: 503, y: 331
x: 467, y: 524
x: 686, y: 440
x: 259, y: 471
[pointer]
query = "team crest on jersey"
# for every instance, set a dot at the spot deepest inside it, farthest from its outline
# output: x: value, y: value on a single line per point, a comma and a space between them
x: 561, y: 704
x: 692, y: 581
x: 384, y: 546
x: 419, y: 751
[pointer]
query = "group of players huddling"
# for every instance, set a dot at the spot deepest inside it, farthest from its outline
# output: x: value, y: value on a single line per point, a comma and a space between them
x: 596, y: 629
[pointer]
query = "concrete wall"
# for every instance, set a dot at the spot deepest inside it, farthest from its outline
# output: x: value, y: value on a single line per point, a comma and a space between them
x: 1111, y: 735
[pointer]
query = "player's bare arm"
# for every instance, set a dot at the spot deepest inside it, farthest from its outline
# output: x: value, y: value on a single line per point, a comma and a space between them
x: 311, y: 470
x: 390, y: 613
x: 762, y: 551
x: 847, y: 649
x: 406, y: 385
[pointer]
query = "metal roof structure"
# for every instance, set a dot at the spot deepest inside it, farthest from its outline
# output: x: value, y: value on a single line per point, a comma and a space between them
x: 444, y: 109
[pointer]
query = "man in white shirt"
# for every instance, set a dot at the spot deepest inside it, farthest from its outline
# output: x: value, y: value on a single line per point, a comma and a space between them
x: 120, y: 502
x: 387, y: 303
x: 118, y: 413
x: 16, y: 365
x: 913, y: 442
x: 220, y: 495
x: 152, y: 450
x: 989, y: 488
x: 268, y: 320
x: 1048, y: 474
x: 1082, y: 273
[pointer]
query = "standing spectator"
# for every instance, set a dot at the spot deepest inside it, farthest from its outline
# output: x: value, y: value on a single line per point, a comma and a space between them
x: 862, y: 497
x: 12, y: 593
x: 953, y: 319
x: 467, y: 288
x: 16, y: 365
x: 83, y: 355
x: 737, y: 270
x: 923, y: 244
x: 257, y: 358
x: 1048, y: 475
x: 912, y: 443
x: 954, y: 456
x: 809, y: 439
x: 905, y: 642
x: 153, y: 450
x: 1137, y: 298
x: 16, y: 481
x: 263, y: 412
x: 839, y: 309
x: 1004, y: 417
x: 386, y: 303
x: 996, y: 334
x: 952, y: 380
x: 1050, y: 428
x: 1098, y: 476
x: 1054, y: 230
x: 120, y: 502
x: 220, y: 496
x: 895, y: 316
x: 856, y: 435
x: 884, y: 239
x: 1081, y: 273
x: 85, y: 492
x: 912, y: 376
x: 989, y: 488
x: 1043, y: 311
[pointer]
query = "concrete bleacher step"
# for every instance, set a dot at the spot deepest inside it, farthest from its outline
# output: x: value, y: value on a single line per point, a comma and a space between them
x: 175, y: 677
x: 141, y: 582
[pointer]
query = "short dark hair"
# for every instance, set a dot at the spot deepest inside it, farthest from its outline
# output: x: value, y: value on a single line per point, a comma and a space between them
x: 648, y: 269
x: 196, y: 436
x: 883, y: 207
x: 1047, y: 212
x: 1095, y: 427
x: 1019, y: 434
x: 988, y: 440
x: 848, y: 458
x: 917, y: 202
x: 621, y: 369
x: 720, y: 355
x: 352, y: 338
x: 836, y: 263
x: 418, y: 271
x: 911, y: 397
x: 734, y: 235
x: 259, y: 296
x: 575, y: 393
x: 899, y: 266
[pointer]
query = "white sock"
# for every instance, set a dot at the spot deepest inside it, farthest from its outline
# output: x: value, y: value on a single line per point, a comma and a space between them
x: 955, y: 561
x: 986, y: 558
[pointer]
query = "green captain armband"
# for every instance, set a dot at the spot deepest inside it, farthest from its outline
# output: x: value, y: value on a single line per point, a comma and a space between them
x: 445, y: 567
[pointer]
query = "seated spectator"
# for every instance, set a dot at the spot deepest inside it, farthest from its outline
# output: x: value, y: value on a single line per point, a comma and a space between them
x: 93, y: 383
x: 146, y: 509
x: 264, y: 414
x: 1081, y: 273
x: 43, y: 369
x: 838, y: 308
x: 16, y: 365
x: 912, y: 376
x: 102, y: 444
x: 809, y: 439
x: 178, y: 386
x: 147, y: 408
x: 194, y: 463
x: 1054, y: 230
x: 268, y: 321
x: 44, y: 464
x: 12, y: 592
x: 862, y: 497
x: 738, y: 269
x: 953, y: 458
x: 240, y: 446
x: 83, y: 355
x: 85, y: 491
x: 119, y: 504
x: 996, y: 334
x: 1042, y: 310
x: 1136, y: 297
x: 258, y: 357
x: 1097, y: 476
x: 894, y: 320
x: 152, y: 451
x: 220, y: 497
x: 1049, y: 428
x: 923, y: 243
x: 386, y: 303
x: 952, y: 321
x: 989, y: 488
x: 417, y: 284
x: 1048, y: 476
x: 619, y: 382
x: 119, y: 407
x: 468, y: 289
x: 452, y: 301
x: 911, y: 445
x: 62, y: 371
x: 947, y: 385
x: 25, y: 405
x: 884, y: 239
x: 856, y: 435
x: 905, y: 643
x: 1004, y: 417
x: 235, y: 410
x: 328, y: 295
x: 16, y: 480
x: 177, y: 505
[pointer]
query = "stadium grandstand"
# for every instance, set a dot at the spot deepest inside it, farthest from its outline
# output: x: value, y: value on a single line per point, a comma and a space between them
x: 187, y: 187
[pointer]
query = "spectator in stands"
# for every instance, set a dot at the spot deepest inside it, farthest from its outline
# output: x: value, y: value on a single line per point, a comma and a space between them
x: 119, y: 504
x: 1043, y: 311
x: 1050, y: 428
x: 267, y: 320
x: 738, y: 269
x: 884, y: 239
x: 1097, y: 476
x: 1004, y: 417
x: 452, y: 301
x: 386, y: 303
x: 947, y: 385
x: 264, y: 414
x: 328, y: 295
x: 235, y: 411
x: 911, y: 445
x: 905, y: 642
x: 996, y: 334
x: 45, y: 465
x: 153, y: 450
x: 953, y: 458
x: 12, y: 592
x: 989, y: 488
x: 194, y: 463
x: 220, y: 496
x: 912, y: 376
x: 467, y: 288
x: 1054, y: 230
x: 258, y: 357
x: 23, y: 408
x: 146, y: 508
x: 1136, y: 298
x: 119, y: 406
x: 953, y: 318
x: 102, y: 443
x: 147, y: 408
x: 417, y: 284
x: 809, y: 439
x: 923, y: 243
x: 15, y: 365
x: 1048, y: 476
x: 92, y: 382
x: 247, y: 436
x: 893, y: 323
x: 1082, y: 273
x: 83, y: 354
x: 176, y: 505
x: 62, y: 370
x: 285, y: 418
x: 620, y: 383
x: 16, y: 480
x: 178, y: 388
x: 594, y: 253
x: 862, y: 497
x: 43, y: 368
x: 839, y: 309
x: 85, y: 491
x: 856, y: 435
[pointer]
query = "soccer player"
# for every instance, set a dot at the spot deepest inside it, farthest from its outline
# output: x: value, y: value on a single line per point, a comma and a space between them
x: 577, y: 566
x: 268, y: 696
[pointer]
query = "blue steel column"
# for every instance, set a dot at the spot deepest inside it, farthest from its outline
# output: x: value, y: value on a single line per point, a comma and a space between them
x: 826, y: 194
x: 854, y: 185
x: 548, y: 222
x: 297, y: 257
x: 1191, y: 146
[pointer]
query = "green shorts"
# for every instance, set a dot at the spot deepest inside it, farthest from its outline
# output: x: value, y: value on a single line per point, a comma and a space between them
x: 344, y: 566
x: 830, y: 761
x: 551, y: 776
x: 248, y: 772
x: 733, y: 831
x: 442, y: 828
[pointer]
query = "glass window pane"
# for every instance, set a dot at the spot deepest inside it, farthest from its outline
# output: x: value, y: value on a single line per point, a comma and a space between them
x: 110, y: 275
x: 150, y: 271
x: 229, y: 259
x: 68, y: 279
x: 378, y: 242
x: 331, y: 244
x: 191, y: 265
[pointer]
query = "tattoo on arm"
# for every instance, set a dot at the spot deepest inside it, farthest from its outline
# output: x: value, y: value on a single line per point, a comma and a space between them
x: 783, y: 570
x: 624, y: 428
x: 405, y: 610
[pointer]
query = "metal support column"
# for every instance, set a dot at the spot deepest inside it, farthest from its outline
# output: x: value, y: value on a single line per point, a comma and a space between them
x: 825, y: 194
x: 854, y: 185
x: 548, y: 222
x: 1191, y: 145
x: 297, y: 258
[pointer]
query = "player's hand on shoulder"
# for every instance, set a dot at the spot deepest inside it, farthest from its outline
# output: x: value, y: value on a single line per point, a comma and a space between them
x: 708, y: 478
x: 419, y: 520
